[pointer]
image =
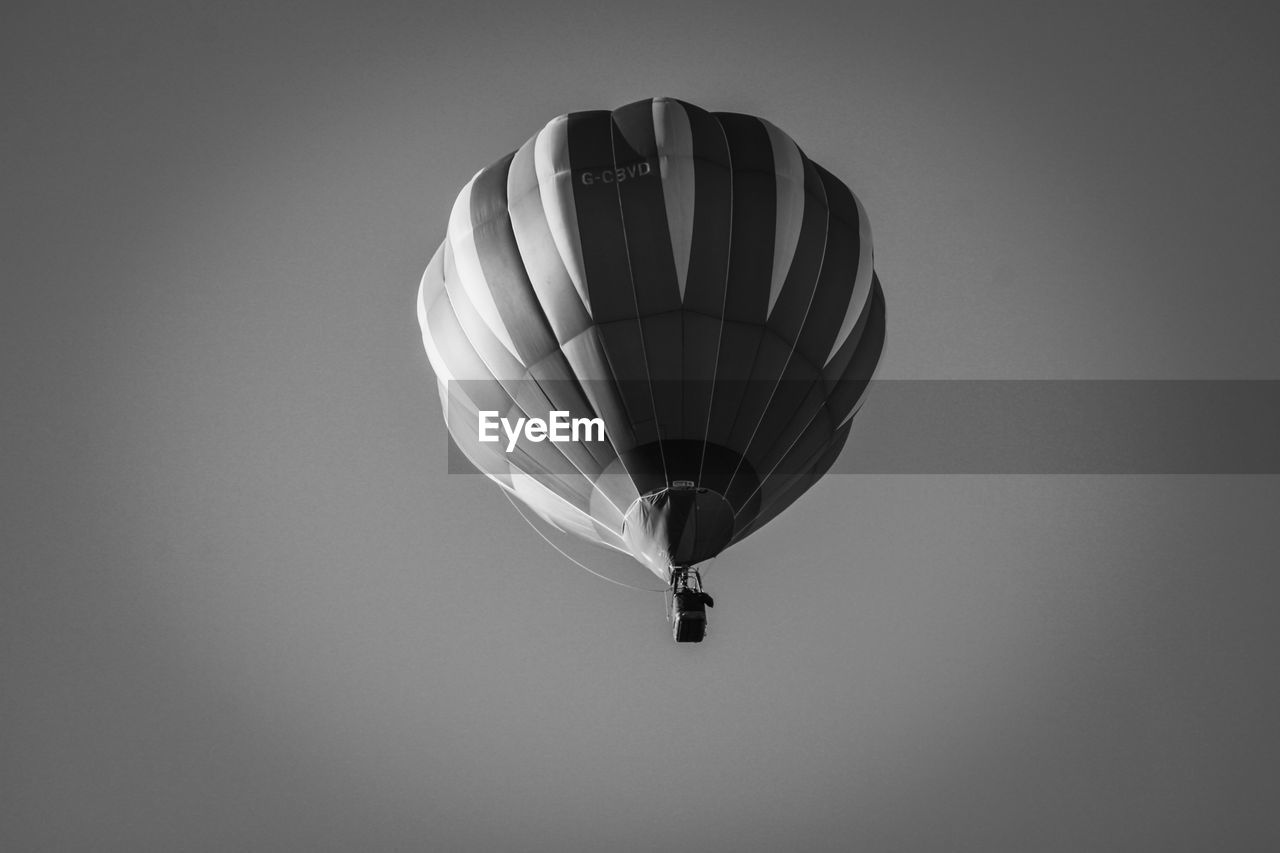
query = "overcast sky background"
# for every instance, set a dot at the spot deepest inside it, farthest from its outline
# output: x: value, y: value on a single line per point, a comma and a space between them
x: 243, y: 605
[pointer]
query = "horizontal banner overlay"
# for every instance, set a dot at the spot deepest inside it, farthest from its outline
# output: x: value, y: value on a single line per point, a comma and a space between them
x: 902, y: 427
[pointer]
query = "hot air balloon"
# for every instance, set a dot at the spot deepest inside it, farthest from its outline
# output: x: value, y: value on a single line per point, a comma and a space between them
x: 689, y: 280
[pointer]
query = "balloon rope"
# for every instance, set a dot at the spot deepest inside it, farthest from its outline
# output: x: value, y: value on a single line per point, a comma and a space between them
x: 571, y: 559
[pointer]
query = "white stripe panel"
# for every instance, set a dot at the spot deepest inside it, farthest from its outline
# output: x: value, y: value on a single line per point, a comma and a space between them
x: 558, y: 512
x: 552, y: 285
x: 442, y: 388
x: 470, y: 273
x: 788, y: 165
x: 555, y: 180
x: 861, y: 282
x: 428, y: 291
x: 674, y: 138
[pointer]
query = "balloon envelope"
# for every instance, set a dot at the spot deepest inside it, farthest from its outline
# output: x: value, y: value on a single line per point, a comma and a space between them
x: 689, y: 280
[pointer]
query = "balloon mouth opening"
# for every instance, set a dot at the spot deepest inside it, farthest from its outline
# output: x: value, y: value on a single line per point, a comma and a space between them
x: 691, y: 496
x: 672, y: 528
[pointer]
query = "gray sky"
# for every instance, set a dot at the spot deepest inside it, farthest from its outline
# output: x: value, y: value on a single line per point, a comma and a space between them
x: 243, y: 605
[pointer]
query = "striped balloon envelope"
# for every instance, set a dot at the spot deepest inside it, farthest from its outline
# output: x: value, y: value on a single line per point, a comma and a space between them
x: 690, y: 284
